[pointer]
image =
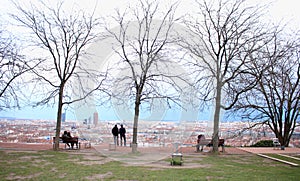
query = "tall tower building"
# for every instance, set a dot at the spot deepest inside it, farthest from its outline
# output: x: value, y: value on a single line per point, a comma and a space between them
x: 95, y: 118
x: 63, y: 117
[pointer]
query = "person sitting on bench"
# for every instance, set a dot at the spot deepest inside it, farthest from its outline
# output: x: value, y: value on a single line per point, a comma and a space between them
x: 65, y: 137
x: 200, y: 137
x: 71, y: 139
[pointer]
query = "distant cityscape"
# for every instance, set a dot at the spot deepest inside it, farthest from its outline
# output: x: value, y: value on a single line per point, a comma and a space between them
x: 150, y: 133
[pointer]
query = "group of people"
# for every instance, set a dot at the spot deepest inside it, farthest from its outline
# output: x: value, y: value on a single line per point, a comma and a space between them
x: 67, y: 138
x: 116, y: 131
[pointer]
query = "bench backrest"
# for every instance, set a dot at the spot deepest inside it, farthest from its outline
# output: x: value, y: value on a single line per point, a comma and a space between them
x: 73, y: 139
x: 276, y: 142
x: 221, y: 142
x: 204, y: 141
x: 60, y: 139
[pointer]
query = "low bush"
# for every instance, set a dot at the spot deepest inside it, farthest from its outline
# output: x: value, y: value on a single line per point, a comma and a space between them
x: 263, y: 143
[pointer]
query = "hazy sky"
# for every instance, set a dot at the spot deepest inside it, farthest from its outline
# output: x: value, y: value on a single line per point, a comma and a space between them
x: 280, y: 10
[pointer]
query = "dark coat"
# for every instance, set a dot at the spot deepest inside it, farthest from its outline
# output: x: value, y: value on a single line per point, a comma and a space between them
x: 122, y: 131
x: 115, y: 131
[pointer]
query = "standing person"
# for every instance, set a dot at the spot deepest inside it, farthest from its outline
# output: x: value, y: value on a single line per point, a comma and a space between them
x: 115, y: 132
x: 122, y: 132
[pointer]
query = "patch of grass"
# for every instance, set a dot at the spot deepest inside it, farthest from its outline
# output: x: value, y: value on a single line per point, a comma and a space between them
x: 50, y: 165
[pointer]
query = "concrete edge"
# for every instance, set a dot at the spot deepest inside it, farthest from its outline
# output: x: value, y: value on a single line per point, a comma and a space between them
x: 279, y: 160
x: 289, y: 156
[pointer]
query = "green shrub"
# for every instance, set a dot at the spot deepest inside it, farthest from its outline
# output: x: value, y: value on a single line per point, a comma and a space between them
x: 263, y: 143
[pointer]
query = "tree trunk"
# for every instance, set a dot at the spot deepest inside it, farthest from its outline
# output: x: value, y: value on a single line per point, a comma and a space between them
x: 288, y: 131
x: 135, y: 125
x: 58, y: 119
x: 282, y: 135
x: 217, y: 118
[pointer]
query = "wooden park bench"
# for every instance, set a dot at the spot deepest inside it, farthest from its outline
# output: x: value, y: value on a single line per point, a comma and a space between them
x: 73, y: 140
x: 276, y: 144
x: 208, y: 142
x: 202, y: 143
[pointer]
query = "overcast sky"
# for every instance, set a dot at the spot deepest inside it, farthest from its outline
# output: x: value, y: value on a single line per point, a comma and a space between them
x: 280, y: 10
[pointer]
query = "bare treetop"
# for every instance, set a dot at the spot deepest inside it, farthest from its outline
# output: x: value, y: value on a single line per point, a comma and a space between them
x: 61, y: 40
x: 224, y: 39
x: 63, y: 36
x: 13, y: 66
x: 144, y: 62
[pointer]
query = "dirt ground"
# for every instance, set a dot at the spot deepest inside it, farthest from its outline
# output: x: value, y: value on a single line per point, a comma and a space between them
x: 147, y: 156
x: 186, y: 150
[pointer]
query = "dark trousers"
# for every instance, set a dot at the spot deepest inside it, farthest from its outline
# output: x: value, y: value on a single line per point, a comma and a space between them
x: 122, y: 137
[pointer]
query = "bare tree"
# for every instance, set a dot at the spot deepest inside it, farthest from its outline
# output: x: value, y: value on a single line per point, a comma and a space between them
x: 143, y: 62
x: 12, y: 67
x: 275, y: 100
x: 60, y: 39
x: 224, y: 38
